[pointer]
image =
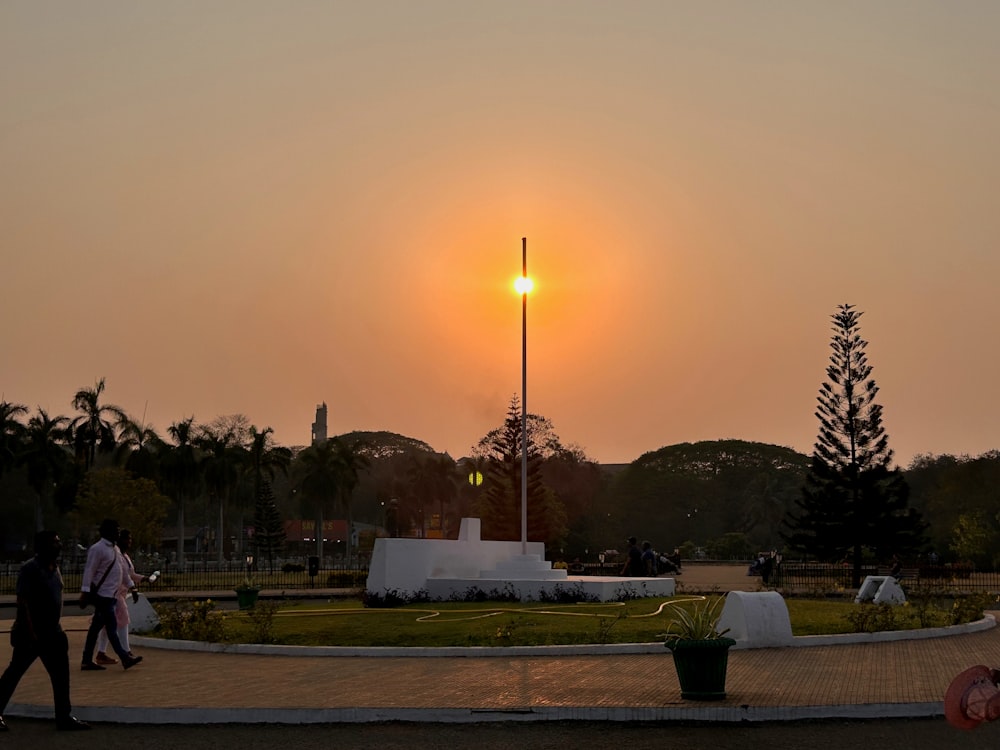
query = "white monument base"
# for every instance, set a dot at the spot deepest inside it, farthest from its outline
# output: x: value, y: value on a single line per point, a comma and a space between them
x: 458, y: 568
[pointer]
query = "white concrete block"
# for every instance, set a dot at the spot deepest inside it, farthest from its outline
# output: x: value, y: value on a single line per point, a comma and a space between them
x: 756, y: 619
x: 142, y: 616
x: 880, y: 590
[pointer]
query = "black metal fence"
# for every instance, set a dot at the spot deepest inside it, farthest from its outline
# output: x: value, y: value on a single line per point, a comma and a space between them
x: 292, y: 574
x: 211, y: 576
x: 801, y: 576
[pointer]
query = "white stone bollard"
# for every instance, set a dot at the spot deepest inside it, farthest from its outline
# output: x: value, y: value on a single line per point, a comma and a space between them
x: 880, y: 590
x: 756, y: 619
x: 142, y: 616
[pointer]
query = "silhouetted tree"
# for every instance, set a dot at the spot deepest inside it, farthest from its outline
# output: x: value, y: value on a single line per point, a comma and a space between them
x: 701, y: 491
x: 265, y: 459
x: 138, y: 447
x: 432, y: 479
x: 135, y: 502
x: 499, y: 505
x: 321, y: 473
x: 180, y: 475
x: 225, y: 459
x: 268, y: 530
x: 853, y: 498
x: 94, y: 429
x: 945, y: 488
x: 352, y: 461
x: 45, y: 457
x: 11, y: 434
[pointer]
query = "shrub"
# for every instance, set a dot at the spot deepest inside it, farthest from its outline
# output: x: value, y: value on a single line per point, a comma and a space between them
x: 571, y: 595
x: 873, y: 618
x: 392, y: 598
x: 628, y: 591
x: 476, y: 594
x: 192, y: 621
x: 970, y: 608
x: 262, y: 618
x: 346, y: 579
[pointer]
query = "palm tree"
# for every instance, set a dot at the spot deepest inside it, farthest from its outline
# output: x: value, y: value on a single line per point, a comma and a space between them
x: 136, y: 449
x: 352, y: 461
x: 179, y: 473
x: 11, y: 434
x: 265, y: 460
x: 44, y: 456
x: 432, y: 477
x: 94, y: 429
x: 222, y: 467
x: 322, y: 472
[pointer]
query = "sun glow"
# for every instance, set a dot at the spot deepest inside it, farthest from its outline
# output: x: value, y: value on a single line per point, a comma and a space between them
x: 523, y: 285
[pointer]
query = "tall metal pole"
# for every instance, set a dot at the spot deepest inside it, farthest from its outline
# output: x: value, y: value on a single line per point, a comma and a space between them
x: 524, y: 401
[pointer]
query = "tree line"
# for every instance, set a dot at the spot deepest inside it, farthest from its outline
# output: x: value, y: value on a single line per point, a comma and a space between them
x: 228, y: 476
x: 726, y: 498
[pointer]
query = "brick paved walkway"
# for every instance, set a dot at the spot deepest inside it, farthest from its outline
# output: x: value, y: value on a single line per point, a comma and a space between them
x: 900, y: 678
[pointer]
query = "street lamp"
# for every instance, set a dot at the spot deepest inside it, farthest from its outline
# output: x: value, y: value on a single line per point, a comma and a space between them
x: 524, y: 285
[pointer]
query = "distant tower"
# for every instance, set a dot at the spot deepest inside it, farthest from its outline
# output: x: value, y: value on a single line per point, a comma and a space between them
x: 319, y: 426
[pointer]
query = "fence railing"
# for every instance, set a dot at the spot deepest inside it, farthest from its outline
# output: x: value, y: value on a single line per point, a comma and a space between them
x: 821, y: 576
x: 292, y: 574
x: 288, y: 574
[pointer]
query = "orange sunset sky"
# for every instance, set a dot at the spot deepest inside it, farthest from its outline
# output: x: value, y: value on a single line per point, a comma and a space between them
x: 254, y: 207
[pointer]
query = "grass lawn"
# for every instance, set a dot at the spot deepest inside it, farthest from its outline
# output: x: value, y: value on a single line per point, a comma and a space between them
x: 347, y: 623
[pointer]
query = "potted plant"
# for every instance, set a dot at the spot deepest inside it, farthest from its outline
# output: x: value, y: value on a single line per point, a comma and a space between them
x: 700, y: 650
x: 246, y: 593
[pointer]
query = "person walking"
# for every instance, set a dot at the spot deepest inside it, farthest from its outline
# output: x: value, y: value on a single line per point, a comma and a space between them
x: 36, y: 632
x: 130, y: 579
x: 102, y: 575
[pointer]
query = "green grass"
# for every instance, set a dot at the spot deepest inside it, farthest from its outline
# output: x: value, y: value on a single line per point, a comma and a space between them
x: 347, y: 623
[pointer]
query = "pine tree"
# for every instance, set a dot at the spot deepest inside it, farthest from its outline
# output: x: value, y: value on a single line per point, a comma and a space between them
x: 499, y: 506
x: 853, y: 498
x: 268, y: 530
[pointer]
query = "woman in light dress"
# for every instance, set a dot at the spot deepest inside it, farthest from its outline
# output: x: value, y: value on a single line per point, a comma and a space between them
x: 130, y: 579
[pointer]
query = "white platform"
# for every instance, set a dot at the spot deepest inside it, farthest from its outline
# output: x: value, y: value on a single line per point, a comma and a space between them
x: 453, y: 568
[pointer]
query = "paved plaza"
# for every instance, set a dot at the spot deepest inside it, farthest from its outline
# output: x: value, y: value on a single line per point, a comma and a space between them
x: 903, y: 678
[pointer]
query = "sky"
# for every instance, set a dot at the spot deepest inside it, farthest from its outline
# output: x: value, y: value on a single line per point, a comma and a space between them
x: 245, y: 207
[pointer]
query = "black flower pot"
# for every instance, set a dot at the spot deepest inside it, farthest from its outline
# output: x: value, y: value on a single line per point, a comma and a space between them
x: 247, y: 598
x: 701, y: 667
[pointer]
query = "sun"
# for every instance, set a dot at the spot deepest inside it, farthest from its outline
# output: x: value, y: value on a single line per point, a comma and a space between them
x: 523, y: 284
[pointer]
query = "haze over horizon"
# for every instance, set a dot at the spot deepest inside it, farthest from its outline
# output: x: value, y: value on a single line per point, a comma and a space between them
x: 255, y: 207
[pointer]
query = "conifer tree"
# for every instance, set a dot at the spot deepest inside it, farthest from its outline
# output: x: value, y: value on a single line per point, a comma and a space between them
x: 500, y: 504
x: 268, y: 529
x: 853, y: 498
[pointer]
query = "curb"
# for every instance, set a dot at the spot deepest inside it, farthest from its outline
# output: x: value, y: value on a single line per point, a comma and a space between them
x: 362, y: 715
x: 596, y: 649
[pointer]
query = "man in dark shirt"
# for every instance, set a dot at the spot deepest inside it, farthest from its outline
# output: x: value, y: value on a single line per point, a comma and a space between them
x: 633, y: 566
x: 36, y: 632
